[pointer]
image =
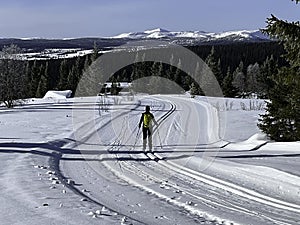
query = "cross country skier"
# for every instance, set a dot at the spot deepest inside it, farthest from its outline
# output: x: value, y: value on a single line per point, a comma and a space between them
x: 146, y: 119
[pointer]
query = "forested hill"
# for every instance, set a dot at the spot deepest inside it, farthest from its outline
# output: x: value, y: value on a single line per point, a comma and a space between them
x: 231, y: 54
x: 225, y: 59
x: 38, y: 45
x: 249, y: 63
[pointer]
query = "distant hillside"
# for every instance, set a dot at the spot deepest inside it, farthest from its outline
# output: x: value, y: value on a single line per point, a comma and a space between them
x: 186, y: 38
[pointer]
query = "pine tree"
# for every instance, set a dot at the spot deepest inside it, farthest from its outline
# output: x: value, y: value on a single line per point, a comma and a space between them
x: 42, y: 87
x: 239, y: 79
x: 215, y: 65
x: 95, y: 53
x: 195, y: 90
x: 74, y: 76
x: 114, y: 88
x: 179, y: 78
x: 12, y: 76
x: 87, y: 62
x: 63, y: 75
x: 268, y: 71
x: 46, y: 75
x: 139, y: 68
x: 155, y: 84
x: 142, y: 68
x: 282, y: 119
x: 253, y: 72
x: 35, y: 76
x: 228, y: 89
x: 28, y: 78
x: 170, y: 72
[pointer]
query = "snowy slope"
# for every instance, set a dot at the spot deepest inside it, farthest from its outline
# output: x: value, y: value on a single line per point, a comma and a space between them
x: 79, y: 161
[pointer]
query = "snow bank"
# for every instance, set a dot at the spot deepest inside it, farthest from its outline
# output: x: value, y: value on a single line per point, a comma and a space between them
x: 253, y: 142
x: 58, y: 94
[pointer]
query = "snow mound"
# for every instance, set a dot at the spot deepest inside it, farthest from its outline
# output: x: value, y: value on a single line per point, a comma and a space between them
x: 255, y: 141
x: 58, y: 94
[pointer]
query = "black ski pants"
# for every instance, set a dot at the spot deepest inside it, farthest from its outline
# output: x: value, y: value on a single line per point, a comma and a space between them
x: 147, y: 134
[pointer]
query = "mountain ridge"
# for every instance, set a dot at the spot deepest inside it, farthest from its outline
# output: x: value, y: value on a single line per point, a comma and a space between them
x: 42, y: 47
x: 159, y: 33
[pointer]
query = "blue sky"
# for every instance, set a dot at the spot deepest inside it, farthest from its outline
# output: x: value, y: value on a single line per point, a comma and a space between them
x: 100, y: 18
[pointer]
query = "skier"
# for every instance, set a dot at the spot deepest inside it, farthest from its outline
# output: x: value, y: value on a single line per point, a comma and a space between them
x: 146, y: 119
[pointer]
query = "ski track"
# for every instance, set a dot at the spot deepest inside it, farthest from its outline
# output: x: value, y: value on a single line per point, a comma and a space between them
x: 143, y: 174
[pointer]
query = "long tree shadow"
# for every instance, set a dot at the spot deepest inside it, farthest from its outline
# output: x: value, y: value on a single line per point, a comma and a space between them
x: 259, y: 156
x: 57, y: 150
x: 57, y: 146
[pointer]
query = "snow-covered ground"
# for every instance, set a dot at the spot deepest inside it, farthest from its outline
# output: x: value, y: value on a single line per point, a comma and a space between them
x: 80, y: 161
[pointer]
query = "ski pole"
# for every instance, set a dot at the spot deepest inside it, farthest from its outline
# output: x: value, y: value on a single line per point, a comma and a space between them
x: 136, y: 138
x: 159, y: 139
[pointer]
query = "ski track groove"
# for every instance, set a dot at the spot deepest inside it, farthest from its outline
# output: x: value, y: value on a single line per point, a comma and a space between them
x: 129, y: 167
x: 55, y: 165
x: 157, y: 158
x: 215, y: 182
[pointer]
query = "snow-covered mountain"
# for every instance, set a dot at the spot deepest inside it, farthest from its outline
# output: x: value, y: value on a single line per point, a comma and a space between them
x: 36, y: 48
x: 243, y: 35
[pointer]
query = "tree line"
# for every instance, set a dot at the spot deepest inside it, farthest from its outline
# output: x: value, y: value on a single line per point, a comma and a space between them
x: 247, y: 69
x: 239, y: 68
x: 21, y: 79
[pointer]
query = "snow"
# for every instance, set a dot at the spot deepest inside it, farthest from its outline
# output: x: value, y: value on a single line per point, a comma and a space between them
x: 162, y: 33
x: 58, y: 94
x: 246, y: 34
x: 79, y: 161
x: 57, y: 54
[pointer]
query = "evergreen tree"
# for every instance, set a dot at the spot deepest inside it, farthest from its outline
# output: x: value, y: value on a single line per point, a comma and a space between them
x: 87, y: 62
x: 137, y: 72
x: 43, y: 82
x: 46, y: 75
x: 178, y: 76
x: 28, y: 78
x: 239, y: 79
x: 170, y: 72
x: 95, y: 53
x: 157, y: 69
x: 268, y: 71
x: 35, y: 76
x: 281, y: 122
x: 228, y: 89
x: 74, y: 76
x: 63, y: 75
x: 71, y: 80
x: 253, y: 72
x: 42, y: 87
x: 195, y: 90
x: 215, y: 65
x: 141, y: 68
x: 12, y: 76
x: 155, y: 83
x: 114, y: 88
